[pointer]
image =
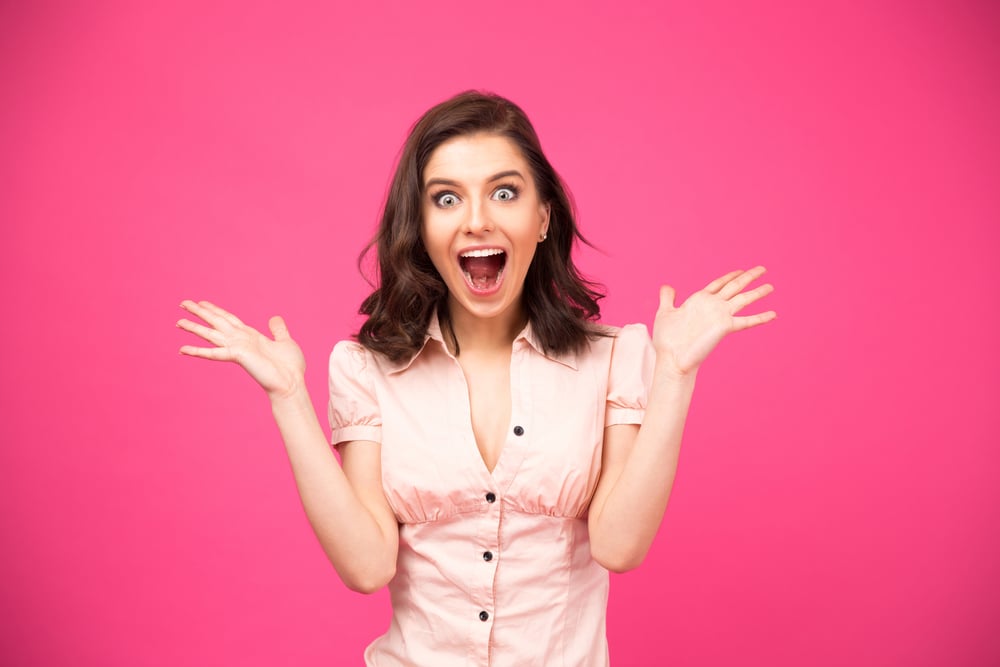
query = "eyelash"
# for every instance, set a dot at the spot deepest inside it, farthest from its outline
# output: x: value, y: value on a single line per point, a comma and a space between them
x: 515, y: 192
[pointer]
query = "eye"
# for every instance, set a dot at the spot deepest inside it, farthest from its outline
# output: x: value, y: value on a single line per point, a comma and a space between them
x: 505, y: 193
x: 445, y: 199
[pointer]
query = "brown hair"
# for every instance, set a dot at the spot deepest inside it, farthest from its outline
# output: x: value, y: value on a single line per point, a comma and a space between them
x: 560, y: 303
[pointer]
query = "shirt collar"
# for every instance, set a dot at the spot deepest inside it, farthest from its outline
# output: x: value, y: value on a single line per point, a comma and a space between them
x: 434, y: 333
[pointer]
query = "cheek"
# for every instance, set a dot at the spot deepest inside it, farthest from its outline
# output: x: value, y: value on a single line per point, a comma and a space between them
x: 427, y: 234
x: 436, y: 245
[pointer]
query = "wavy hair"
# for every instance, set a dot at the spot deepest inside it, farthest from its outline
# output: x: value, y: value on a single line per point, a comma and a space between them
x: 560, y: 303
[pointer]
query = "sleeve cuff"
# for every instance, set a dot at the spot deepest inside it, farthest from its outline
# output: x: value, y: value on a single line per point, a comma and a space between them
x: 358, y: 432
x: 623, y: 416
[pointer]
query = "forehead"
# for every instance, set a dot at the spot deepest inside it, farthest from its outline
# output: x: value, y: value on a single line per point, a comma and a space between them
x: 475, y: 157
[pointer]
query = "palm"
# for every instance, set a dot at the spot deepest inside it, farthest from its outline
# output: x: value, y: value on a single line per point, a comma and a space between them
x: 277, y: 365
x: 686, y: 335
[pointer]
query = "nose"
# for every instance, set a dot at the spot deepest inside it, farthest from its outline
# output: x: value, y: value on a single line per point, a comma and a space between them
x: 478, y: 220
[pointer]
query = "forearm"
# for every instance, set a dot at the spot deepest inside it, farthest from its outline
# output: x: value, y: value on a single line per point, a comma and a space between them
x: 359, y: 548
x: 626, y: 523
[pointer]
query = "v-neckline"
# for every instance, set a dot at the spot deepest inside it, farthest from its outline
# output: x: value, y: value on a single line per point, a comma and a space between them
x: 504, y: 439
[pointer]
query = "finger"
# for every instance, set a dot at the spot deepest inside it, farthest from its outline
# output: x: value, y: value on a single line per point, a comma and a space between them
x: 221, y: 312
x: 753, y: 320
x: 209, y: 334
x: 667, y: 295
x: 736, y: 285
x: 740, y: 301
x: 278, y: 328
x: 717, y: 284
x: 213, y: 353
x: 199, y: 310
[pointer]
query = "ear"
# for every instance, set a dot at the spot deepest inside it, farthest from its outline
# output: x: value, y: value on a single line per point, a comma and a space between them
x: 546, y: 212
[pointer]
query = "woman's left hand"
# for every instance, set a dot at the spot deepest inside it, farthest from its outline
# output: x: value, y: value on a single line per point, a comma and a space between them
x: 684, y: 336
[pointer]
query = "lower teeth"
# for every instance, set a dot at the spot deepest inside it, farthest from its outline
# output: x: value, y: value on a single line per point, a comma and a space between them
x: 482, y: 282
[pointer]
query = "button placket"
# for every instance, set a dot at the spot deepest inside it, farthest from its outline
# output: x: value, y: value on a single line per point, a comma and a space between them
x: 484, y: 571
x: 487, y: 551
x: 517, y: 443
x: 482, y: 630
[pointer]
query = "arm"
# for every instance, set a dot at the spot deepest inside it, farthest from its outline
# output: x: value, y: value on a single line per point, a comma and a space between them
x: 637, y: 473
x: 345, y: 505
x: 639, y: 462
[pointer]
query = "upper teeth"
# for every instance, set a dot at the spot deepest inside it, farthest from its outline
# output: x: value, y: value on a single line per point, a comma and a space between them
x: 485, y: 252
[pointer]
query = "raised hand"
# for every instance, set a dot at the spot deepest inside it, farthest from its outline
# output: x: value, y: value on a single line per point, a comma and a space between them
x: 684, y: 336
x: 277, y: 365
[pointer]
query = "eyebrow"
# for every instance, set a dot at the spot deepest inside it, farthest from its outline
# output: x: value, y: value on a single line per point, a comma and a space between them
x: 495, y: 177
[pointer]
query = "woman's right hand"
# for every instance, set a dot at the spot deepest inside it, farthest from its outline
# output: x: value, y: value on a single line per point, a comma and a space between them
x: 277, y: 365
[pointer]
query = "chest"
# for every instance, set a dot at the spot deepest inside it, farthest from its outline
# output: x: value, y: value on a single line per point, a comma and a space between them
x: 488, y: 387
x: 529, y: 432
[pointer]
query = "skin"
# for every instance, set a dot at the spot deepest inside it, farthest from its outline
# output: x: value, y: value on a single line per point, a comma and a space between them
x: 479, y: 193
x: 467, y: 204
x: 345, y: 502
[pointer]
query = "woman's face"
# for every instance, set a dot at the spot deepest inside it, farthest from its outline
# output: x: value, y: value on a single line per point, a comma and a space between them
x: 482, y: 219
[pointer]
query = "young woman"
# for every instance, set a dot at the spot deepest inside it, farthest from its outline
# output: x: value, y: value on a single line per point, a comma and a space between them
x: 500, y: 450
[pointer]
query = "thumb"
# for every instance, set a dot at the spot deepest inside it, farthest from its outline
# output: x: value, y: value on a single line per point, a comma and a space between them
x: 278, y: 328
x: 667, y: 296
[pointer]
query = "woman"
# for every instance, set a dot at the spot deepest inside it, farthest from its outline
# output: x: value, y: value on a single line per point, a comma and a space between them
x: 500, y: 451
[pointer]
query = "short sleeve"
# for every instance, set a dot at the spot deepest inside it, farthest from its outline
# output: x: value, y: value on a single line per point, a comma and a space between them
x: 632, y: 361
x: 353, y: 410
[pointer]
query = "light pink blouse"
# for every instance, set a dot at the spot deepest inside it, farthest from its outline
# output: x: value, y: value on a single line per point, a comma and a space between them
x: 493, y: 568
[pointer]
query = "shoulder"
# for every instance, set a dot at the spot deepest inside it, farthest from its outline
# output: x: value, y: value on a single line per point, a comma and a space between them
x: 351, y: 359
x: 630, y: 374
x: 635, y: 334
x: 628, y: 330
x: 629, y: 336
x: 349, y: 354
x: 353, y: 410
x: 611, y: 346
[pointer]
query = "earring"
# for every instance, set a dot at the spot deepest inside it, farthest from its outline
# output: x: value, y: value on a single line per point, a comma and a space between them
x: 543, y: 237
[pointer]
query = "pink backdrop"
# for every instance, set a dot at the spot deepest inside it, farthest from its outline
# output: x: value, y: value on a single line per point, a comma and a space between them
x: 837, y: 498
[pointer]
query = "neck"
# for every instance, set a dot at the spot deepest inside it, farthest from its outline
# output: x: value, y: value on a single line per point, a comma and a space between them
x: 477, y: 334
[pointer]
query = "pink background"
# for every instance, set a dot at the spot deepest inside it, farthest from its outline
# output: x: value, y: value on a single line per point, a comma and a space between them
x: 837, y: 497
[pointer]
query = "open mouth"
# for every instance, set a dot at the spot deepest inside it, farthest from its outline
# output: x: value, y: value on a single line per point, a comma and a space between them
x: 483, y: 268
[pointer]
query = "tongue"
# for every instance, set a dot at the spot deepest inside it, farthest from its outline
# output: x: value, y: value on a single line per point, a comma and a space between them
x: 483, y: 270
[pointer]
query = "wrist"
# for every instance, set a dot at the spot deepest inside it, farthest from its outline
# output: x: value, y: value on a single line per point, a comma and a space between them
x: 295, y: 394
x: 665, y: 370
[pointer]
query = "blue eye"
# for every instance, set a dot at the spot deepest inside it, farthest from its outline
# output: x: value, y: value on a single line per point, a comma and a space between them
x: 505, y: 193
x: 446, y: 200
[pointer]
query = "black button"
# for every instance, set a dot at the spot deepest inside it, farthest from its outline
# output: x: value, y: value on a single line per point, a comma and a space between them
x: 518, y: 430
x: 491, y: 497
x: 484, y: 616
x: 487, y: 556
